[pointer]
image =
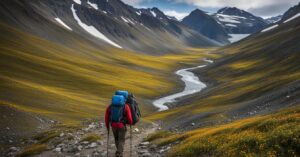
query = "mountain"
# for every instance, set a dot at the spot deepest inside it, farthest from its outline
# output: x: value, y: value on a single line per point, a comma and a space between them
x: 206, y: 25
x: 105, y: 23
x: 237, y: 21
x: 255, y: 76
x: 253, y: 89
x: 293, y: 12
x: 274, y: 19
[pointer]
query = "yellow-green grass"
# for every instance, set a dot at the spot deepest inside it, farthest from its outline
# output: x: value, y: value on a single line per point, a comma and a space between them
x: 91, y: 137
x: 32, y: 150
x: 69, y: 84
x: 253, y: 69
x: 269, y: 135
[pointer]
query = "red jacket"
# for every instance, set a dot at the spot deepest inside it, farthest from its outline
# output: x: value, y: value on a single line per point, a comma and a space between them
x: 118, y: 124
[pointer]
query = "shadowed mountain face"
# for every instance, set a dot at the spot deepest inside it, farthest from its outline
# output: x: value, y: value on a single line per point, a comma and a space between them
x: 291, y: 12
x: 206, y: 25
x: 238, y: 21
x: 104, y: 23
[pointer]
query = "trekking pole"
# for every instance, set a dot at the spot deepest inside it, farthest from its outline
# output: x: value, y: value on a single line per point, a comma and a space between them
x: 130, y: 141
x: 107, y: 143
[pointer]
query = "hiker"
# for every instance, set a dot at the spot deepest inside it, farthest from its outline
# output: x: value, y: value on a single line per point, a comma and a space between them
x: 121, y: 112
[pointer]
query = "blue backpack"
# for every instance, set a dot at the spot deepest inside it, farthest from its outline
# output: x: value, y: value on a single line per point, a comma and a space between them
x: 133, y: 105
x: 117, y: 108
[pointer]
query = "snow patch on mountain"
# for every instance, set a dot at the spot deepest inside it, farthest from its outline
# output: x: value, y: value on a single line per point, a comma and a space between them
x: 237, y: 37
x: 292, y: 18
x: 62, y: 23
x: 228, y: 18
x: 138, y: 13
x: 124, y: 19
x: 230, y: 25
x: 127, y: 20
x: 270, y: 28
x: 92, y: 30
x: 95, y: 6
x: 153, y: 13
x: 77, y: 1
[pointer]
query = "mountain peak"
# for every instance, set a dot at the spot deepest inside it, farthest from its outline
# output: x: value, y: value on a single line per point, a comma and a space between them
x: 206, y: 25
x: 197, y: 11
x: 291, y: 12
x: 234, y: 11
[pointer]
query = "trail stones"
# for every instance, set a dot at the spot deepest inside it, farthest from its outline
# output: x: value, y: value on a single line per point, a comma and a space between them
x: 93, y: 145
x: 13, y: 149
x: 100, y: 142
x: 79, y: 148
x: 85, y: 142
x: 142, y: 151
x: 146, y: 154
x: 144, y: 143
x: 58, y: 150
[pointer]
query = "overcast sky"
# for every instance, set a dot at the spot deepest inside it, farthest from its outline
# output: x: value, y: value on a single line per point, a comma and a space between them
x: 181, y: 8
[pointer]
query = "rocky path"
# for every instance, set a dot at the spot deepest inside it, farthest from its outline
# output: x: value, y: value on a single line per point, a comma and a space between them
x: 70, y: 144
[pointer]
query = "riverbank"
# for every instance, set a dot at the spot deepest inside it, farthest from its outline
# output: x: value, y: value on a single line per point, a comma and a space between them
x: 192, y: 85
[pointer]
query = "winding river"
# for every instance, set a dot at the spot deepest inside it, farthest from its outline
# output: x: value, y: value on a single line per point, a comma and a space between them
x: 192, y: 85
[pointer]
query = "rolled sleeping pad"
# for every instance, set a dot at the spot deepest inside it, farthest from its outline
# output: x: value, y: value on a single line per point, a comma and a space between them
x: 123, y: 93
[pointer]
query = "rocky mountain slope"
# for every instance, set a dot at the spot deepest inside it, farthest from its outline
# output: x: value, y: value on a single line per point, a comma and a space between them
x: 292, y: 12
x: 273, y: 19
x: 206, y: 25
x: 237, y: 21
x: 105, y: 23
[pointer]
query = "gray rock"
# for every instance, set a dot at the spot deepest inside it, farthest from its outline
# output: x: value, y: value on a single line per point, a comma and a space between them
x: 93, y: 145
x: 142, y: 151
x: 85, y: 142
x: 13, y: 149
x: 71, y: 149
x: 79, y: 148
x: 58, y: 150
x: 143, y: 147
x: 144, y: 143
x: 100, y: 142
x: 61, y: 145
x: 77, y: 154
x: 146, y: 155
x: 193, y: 124
x: 161, y: 151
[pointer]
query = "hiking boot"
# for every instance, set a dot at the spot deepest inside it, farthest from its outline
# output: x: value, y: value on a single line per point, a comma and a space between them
x: 118, y: 154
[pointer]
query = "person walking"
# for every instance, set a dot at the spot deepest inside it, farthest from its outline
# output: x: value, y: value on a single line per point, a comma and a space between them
x: 117, y: 115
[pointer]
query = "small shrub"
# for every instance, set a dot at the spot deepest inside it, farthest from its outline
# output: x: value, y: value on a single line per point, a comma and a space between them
x: 92, y: 138
x: 46, y: 136
x: 157, y: 135
x: 33, y: 150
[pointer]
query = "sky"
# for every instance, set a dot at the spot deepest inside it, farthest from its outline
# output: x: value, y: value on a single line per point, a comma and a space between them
x: 181, y: 8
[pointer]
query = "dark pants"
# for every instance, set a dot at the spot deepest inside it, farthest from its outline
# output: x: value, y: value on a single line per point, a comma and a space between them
x: 119, y: 135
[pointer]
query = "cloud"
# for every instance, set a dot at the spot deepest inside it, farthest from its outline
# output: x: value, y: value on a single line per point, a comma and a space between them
x: 178, y: 15
x: 262, y: 7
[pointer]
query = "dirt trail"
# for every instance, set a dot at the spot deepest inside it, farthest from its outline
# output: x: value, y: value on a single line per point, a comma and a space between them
x: 77, y: 147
